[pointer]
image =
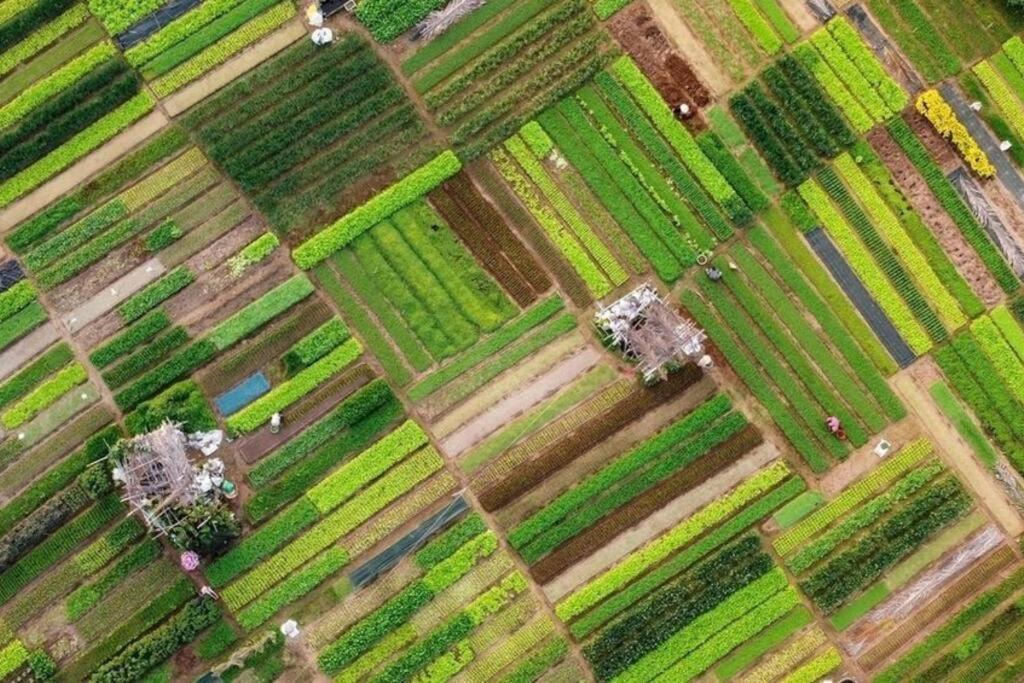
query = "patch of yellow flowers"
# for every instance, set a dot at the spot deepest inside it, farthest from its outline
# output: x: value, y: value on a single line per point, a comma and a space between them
x: 933, y: 107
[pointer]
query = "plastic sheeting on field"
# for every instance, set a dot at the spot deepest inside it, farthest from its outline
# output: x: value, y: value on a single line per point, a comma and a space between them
x: 242, y: 394
x: 861, y: 298
x: 152, y: 23
x: 408, y: 544
x: 10, y: 274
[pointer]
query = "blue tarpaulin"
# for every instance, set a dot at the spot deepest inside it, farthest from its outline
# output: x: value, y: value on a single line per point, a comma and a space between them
x: 242, y: 394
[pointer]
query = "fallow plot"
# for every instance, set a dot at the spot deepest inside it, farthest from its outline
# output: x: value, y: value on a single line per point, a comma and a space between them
x: 723, y: 590
x: 482, y: 86
x: 64, y: 91
x: 990, y: 623
x: 739, y: 34
x: 801, y: 376
x: 300, y: 156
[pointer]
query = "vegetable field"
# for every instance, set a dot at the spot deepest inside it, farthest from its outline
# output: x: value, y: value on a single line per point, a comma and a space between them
x: 545, y: 341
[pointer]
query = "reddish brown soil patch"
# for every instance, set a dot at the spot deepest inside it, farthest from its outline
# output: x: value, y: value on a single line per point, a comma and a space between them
x: 915, y: 189
x: 940, y: 148
x: 640, y: 36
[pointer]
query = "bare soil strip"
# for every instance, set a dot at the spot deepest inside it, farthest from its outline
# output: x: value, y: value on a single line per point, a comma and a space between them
x: 27, y: 347
x: 660, y: 522
x: 118, y: 291
x: 518, y: 403
x: 89, y: 166
x: 233, y: 68
x: 957, y: 454
x: 688, y: 45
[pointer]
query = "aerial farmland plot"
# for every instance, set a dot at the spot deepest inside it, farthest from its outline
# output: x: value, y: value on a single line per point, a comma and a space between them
x: 511, y: 340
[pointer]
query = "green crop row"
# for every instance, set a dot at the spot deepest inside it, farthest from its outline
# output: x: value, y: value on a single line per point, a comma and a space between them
x: 884, y: 257
x: 35, y: 372
x: 38, y: 36
x: 1003, y: 95
x: 598, y: 127
x: 348, y: 413
x: 383, y: 205
x: 160, y: 644
x: 300, y: 476
x: 398, y: 610
x: 57, y: 546
x: 566, y: 211
x: 978, y: 609
x: 762, y: 601
x: 75, y: 148
x: 852, y: 496
x: 101, y: 220
x: 21, y: 323
x: 665, y: 611
x: 954, y: 205
x: 812, y: 60
x: 373, y: 498
x: 895, y: 98
x: 41, y: 91
x: 837, y: 337
x: 577, y: 257
x: 771, y: 147
x: 620, y: 468
x: 889, y: 226
x: 141, y: 332
x: 639, y: 228
x: 178, y: 366
x: 70, y: 573
x: 848, y: 72
x: 822, y: 392
x: 178, y: 30
x: 315, y: 345
x: 43, y: 395
x: 783, y: 415
x: 201, y: 37
x: 151, y: 296
x: 259, y: 312
x: 867, y: 269
x: 16, y: 298
x: 998, y: 350
x: 862, y: 518
x: 757, y: 25
x: 280, y: 397
x: 799, y: 110
x: 353, y: 475
x: 715, y: 445
x: 630, y: 76
x: 252, y: 253
x: 655, y: 552
x: 388, y: 19
x: 883, y: 546
x: 291, y: 589
x: 87, y: 596
x: 146, y: 358
x: 224, y: 49
x: 129, y: 168
x: 789, y: 385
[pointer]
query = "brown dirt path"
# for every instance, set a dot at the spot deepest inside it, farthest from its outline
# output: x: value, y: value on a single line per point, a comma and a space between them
x: 88, y: 166
x: 801, y: 16
x: 689, y: 46
x: 514, y: 405
x: 956, y: 453
x: 660, y: 522
x: 26, y: 348
x: 227, y: 72
x: 114, y: 294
